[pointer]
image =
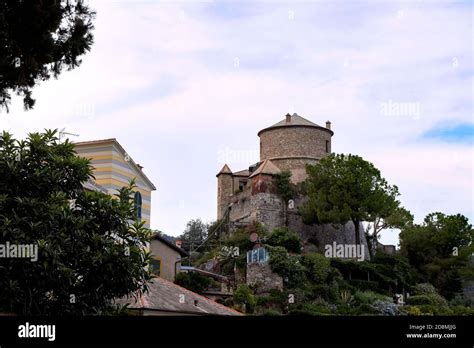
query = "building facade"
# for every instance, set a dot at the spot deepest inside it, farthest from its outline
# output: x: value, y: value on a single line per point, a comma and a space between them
x: 113, y: 169
x: 166, y: 257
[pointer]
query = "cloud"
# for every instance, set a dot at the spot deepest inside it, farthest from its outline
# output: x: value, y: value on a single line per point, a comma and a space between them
x: 178, y: 83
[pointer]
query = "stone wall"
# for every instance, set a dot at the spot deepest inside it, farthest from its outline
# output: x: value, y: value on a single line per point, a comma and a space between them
x: 268, y: 210
x: 260, y: 276
x: 315, y: 237
x: 297, y: 141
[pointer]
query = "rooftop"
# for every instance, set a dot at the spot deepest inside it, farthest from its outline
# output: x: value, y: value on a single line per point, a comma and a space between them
x: 124, y: 153
x: 170, y: 244
x: 164, y: 296
x: 267, y: 167
x: 294, y: 120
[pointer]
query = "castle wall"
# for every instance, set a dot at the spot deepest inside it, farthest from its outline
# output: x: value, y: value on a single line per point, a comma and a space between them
x: 297, y: 166
x: 306, y: 142
x: 293, y: 147
x: 267, y: 208
x: 317, y: 236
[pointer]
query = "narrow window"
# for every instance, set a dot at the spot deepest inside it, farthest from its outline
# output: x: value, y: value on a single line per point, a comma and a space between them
x: 138, y: 205
x: 156, y: 266
x: 327, y: 146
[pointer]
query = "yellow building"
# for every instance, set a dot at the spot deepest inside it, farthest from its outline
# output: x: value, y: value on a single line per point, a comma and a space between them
x: 113, y: 169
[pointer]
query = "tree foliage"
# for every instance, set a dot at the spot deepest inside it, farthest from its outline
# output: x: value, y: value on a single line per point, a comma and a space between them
x: 394, y: 217
x: 194, y: 234
x: 90, y: 249
x: 285, y: 188
x: 281, y: 236
x: 193, y: 281
x: 40, y: 39
x: 345, y: 188
x: 440, y: 248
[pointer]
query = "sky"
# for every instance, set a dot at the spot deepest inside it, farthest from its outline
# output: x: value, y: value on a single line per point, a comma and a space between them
x: 185, y: 86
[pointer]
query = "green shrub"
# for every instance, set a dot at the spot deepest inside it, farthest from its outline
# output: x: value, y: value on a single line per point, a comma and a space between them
x: 365, y: 308
x: 424, y: 289
x: 316, y: 309
x: 428, y: 309
x: 429, y: 299
x: 287, y: 266
x: 244, y: 296
x: 318, y: 267
x: 460, y: 301
x: 327, y: 292
x: 462, y: 310
x: 365, y: 285
x: 281, y: 236
x: 275, y: 297
x: 367, y: 297
x: 193, y: 281
x: 413, y: 310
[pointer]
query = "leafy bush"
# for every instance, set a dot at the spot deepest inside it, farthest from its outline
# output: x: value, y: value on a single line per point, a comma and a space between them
x: 434, y: 310
x: 281, y: 236
x: 244, y: 296
x: 462, y: 310
x: 424, y: 289
x: 413, y: 310
x: 365, y: 285
x: 316, y: 308
x: 460, y: 301
x: 325, y: 291
x: 193, y: 281
x: 287, y: 266
x: 429, y: 299
x: 318, y: 267
x: 367, y: 297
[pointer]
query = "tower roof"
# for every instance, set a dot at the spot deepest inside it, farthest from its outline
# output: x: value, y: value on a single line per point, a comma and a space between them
x: 225, y: 170
x: 267, y: 167
x: 295, y: 120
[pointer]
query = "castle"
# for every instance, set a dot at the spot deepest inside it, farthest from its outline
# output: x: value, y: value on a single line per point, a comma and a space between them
x: 250, y: 195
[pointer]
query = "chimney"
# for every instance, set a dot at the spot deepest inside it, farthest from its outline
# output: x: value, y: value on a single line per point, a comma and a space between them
x: 288, y: 118
x: 328, y: 125
x: 178, y: 243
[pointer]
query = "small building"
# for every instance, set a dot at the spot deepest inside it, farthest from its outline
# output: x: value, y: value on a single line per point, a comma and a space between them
x: 113, y: 169
x: 166, y: 257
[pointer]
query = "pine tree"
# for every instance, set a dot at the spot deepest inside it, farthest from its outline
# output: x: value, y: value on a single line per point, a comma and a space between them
x: 39, y: 39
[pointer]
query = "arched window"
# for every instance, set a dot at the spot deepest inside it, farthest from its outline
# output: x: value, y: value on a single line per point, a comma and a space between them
x: 138, y: 205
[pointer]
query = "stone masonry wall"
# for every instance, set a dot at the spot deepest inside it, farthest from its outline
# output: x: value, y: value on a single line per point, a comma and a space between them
x: 260, y: 276
x: 309, y: 142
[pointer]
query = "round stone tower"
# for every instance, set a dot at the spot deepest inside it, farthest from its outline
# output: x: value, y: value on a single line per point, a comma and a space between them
x: 294, y: 142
